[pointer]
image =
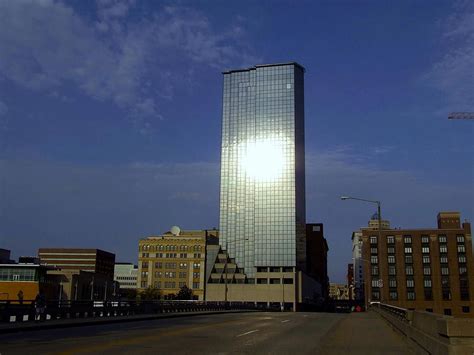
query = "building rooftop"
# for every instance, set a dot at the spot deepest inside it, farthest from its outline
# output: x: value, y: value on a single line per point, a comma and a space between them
x: 264, y: 65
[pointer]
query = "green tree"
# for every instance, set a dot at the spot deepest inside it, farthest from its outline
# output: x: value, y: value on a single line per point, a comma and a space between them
x: 185, y: 293
x: 150, y: 293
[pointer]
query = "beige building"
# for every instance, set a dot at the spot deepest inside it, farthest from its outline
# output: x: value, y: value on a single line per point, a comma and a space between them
x: 273, y: 286
x: 339, y: 291
x: 173, y: 260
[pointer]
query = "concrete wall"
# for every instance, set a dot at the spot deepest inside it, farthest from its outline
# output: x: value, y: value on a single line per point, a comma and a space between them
x: 435, y: 334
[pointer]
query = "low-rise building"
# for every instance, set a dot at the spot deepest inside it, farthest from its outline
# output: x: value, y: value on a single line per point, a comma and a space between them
x: 126, y: 274
x: 338, y: 291
x: 427, y: 269
x: 175, y: 259
x: 23, y: 282
x: 82, y: 274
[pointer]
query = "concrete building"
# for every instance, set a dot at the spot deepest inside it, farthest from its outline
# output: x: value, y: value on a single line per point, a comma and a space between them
x: 338, y: 291
x: 317, y: 256
x: 75, y: 260
x: 262, y: 197
x: 26, y: 280
x: 82, y: 274
x: 350, y: 281
x: 126, y: 274
x: 5, y: 255
x: 175, y: 259
x: 423, y: 269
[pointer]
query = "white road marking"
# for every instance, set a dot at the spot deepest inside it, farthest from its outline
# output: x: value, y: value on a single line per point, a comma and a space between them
x: 250, y: 332
x: 286, y: 320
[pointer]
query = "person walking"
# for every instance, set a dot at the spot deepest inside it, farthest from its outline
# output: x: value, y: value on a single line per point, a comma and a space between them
x: 20, y: 296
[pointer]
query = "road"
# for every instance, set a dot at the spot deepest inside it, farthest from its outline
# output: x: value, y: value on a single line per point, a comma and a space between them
x: 241, y: 333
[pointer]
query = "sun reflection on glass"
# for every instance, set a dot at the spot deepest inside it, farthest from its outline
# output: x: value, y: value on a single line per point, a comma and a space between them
x: 263, y: 160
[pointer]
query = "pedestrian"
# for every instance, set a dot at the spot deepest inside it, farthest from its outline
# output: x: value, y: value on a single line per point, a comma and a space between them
x: 40, y: 305
x: 20, y: 296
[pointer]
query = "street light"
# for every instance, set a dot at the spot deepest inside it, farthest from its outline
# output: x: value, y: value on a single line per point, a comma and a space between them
x: 379, y: 215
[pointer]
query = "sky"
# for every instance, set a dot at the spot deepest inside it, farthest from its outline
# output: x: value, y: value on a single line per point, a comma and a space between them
x: 110, y: 114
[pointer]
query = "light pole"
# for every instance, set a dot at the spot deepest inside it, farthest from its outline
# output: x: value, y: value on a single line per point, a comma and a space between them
x: 379, y: 217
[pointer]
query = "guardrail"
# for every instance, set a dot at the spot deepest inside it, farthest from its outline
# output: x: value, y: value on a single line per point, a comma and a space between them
x: 430, y: 333
x: 25, y: 311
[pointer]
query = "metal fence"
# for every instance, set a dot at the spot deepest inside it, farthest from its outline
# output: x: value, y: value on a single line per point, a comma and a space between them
x: 25, y: 311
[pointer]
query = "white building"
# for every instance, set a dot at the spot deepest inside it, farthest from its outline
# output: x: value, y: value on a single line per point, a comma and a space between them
x: 126, y: 274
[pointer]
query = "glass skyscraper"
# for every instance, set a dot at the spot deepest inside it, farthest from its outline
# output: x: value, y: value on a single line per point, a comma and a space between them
x: 262, y: 196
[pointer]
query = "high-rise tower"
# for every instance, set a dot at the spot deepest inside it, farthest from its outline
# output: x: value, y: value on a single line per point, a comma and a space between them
x: 262, y: 197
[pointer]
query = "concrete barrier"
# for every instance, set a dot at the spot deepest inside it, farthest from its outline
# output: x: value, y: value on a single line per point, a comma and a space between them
x: 431, y: 333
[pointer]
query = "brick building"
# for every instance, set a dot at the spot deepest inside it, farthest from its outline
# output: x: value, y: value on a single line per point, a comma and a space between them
x: 422, y: 269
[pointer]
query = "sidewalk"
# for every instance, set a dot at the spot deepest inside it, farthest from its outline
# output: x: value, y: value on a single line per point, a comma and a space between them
x: 364, y: 333
x: 80, y: 322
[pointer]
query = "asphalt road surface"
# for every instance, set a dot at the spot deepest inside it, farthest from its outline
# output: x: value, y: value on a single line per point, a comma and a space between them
x: 238, y: 333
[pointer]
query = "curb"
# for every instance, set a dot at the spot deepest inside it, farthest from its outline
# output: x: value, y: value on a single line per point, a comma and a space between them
x: 110, y: 320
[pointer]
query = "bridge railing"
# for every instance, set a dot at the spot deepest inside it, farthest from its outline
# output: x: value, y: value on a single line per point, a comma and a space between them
x: 27, y: 310
x: 430, y: 333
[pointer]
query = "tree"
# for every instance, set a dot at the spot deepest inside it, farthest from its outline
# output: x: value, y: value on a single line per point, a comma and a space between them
x: 150, y: 293
x: 185, y: 293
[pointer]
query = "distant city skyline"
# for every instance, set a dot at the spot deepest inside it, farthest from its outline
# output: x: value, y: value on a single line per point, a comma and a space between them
x: 110, y: 114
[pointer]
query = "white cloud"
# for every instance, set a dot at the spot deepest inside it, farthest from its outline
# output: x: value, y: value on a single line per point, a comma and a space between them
x: 453, y: 73
x: 47, y: 45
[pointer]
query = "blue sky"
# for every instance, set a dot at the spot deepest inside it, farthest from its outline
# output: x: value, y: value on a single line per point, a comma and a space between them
x: 110, y: 113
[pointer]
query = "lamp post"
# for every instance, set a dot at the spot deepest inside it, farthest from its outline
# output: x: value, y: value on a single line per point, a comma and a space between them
x: 379, y: 217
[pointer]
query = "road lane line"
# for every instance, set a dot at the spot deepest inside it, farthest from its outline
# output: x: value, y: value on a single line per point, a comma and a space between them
x: 250, y: 332
x: 286, y: 320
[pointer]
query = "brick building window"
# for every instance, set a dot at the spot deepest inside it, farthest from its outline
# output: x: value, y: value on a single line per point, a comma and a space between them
x: 409, y: 270
x: 390, y: 239
x: 465, y: 309
x: 444, y: 271
x: 425, y: 250
x: 443, y: 248
x: 407, y: 239
x: 443, y: 259
x: 461, y: 248
x: 392, y: 270
x: 393, y: 295
x: 410, y: 283
x: 391, y: 250
x: 426, y: 270
x: 426, y: 259
x: 408, y: 250
x: 462, y: 259
x: 373, y: 240
x: 442, y: 238
x: 375, y: 296
x: 447, y: 311
x: 428, y: 294
x: 374, y: 259
x: 391, y: 259
x: 392, y: 283
x: 427, y: 282
x: 408, y: 259
x: 460, y: 238
x: 373, y: 250
x: 375, y: 270
x: 411, y: 295
x: 425, y: 239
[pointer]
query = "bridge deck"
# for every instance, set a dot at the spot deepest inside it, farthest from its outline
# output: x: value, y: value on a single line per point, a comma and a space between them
x: 242, y: 333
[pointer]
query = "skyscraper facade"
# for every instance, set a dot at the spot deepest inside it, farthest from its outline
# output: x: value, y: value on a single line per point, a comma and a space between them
x: 262, y: 197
